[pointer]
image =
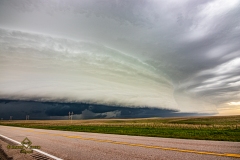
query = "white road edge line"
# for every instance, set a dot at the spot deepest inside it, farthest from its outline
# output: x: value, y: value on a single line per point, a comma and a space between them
x: 37, y: 150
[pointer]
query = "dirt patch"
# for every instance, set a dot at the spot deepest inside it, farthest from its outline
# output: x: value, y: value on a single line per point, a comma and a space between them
x: 3, y: 155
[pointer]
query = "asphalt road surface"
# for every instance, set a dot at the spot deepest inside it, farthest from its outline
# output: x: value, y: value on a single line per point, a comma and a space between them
x: 94, y: 146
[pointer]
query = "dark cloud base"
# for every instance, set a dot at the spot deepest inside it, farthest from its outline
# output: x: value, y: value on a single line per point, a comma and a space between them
x: 58, y: 110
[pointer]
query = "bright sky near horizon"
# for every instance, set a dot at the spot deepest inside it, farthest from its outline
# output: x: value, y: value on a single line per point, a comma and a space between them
x: 182, y: 55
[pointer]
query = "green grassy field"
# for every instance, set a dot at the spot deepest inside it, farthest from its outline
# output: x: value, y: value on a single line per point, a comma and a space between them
x: 222, y: 128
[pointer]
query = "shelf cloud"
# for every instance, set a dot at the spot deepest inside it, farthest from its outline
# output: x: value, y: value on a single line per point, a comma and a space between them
x: 51, y: 69
x: 181, y: 56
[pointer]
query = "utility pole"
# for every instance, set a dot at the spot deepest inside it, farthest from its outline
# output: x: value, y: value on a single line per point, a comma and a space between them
x: 71, y: 116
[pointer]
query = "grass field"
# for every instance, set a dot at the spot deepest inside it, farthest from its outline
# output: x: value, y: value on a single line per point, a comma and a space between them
x: 222, y: 128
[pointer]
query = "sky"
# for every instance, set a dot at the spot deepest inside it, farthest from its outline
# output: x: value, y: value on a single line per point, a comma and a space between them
x: 167, y: 55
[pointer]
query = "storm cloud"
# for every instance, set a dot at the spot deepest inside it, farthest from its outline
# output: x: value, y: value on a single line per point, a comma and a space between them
x: 174, y: 55
x: 58, y: 110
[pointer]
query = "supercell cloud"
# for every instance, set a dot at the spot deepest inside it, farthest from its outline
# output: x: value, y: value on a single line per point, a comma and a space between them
x: 53, y: 69
x: 172, y: 55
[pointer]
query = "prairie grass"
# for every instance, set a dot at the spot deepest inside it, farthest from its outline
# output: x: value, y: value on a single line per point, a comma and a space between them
x: 223, y: 128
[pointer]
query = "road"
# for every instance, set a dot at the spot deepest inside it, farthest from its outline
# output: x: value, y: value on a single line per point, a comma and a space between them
x: 90, y: 146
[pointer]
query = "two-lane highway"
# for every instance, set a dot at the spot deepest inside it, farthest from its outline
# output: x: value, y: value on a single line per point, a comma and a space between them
x: 91, y: 146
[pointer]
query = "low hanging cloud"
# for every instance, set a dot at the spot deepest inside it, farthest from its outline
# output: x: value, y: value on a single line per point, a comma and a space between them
x: 18, y: 109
